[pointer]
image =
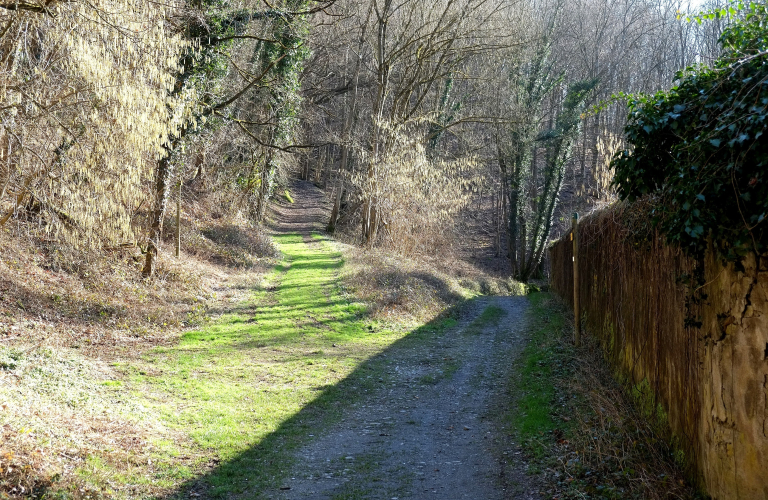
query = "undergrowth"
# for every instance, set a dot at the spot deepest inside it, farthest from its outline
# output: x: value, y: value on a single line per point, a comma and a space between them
x: 68, y: 429
x: 580, y: 431
x: 411, y: 290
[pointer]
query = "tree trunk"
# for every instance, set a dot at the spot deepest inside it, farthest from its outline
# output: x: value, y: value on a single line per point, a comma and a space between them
x: 265, y: 188
x: 370, y: 215
x: 178, y: 219
x: 349, y: 121
x: 162, y: 180
x: 331, y: 228
x: 328, y: 165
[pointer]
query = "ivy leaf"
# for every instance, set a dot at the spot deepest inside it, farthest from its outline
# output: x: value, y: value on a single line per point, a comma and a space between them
x: 709, y: 108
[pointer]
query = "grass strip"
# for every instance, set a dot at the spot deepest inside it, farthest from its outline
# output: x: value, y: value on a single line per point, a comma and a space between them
x: 490, y: 316
x: 258, y: 383
x: 535, y: 397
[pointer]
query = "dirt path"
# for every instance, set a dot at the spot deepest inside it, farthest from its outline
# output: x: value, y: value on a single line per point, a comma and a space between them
x: 309, y: 212
x: 431, y: 431
x: 430, y: 428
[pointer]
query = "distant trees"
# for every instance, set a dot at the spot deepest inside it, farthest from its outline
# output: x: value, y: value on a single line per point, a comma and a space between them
x: 408, y: 65
x: 587, y: 51
x: 406, y: 110
x: 260, y: 52
x: 490, y: 81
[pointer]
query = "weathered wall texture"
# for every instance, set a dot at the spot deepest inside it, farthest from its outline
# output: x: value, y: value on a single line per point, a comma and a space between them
x: 712, y: 380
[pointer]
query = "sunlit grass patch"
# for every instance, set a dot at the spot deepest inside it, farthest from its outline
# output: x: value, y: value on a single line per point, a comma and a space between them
x: 268, y: 371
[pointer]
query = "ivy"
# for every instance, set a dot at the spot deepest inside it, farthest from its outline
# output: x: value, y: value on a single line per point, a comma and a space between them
x: 701, y: 148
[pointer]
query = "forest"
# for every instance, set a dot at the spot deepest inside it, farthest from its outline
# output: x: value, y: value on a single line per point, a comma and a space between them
x: 408, y: 114
x: 171, y: 170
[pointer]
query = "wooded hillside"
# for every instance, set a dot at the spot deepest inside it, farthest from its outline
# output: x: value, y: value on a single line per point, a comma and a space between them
x: 412, y: 114
x: 228, y: 225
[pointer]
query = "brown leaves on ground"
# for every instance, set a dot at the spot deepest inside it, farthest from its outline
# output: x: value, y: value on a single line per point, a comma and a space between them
x: 69, y: 320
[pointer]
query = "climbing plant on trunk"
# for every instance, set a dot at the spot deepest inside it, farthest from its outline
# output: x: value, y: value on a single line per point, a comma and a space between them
x: 270, y: 81
x: 531, y: 194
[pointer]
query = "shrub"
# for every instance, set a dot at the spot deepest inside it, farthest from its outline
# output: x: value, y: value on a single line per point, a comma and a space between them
x: 700, y: 148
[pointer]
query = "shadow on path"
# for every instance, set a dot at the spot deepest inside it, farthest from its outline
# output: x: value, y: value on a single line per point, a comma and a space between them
x: 262, y: 470
x: 435, y: 386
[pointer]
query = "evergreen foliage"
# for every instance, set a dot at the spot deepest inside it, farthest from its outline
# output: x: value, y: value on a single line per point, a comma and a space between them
x: 700, y: 147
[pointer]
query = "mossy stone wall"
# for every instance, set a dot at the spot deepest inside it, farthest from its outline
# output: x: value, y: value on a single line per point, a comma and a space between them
x: 694, y: 334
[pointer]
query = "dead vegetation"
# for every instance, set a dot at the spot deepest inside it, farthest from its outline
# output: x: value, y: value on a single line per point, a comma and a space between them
x: 604, y: 445
x: 410, y: 290
x: 70, y: 319
x: 616, y: 451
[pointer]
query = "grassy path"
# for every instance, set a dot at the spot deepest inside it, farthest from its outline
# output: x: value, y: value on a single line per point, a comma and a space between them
x: 237, y: 386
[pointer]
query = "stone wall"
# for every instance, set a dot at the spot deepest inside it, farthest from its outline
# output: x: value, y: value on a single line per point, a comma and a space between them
x: 693, y: 335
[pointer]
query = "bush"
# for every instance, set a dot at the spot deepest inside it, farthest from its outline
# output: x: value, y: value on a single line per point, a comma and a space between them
x: 700, y: 148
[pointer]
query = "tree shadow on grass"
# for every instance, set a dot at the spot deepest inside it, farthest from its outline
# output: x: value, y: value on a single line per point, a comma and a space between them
x: 259, y: 471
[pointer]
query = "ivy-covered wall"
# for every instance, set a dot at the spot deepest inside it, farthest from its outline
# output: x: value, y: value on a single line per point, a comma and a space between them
x: 695, y: 355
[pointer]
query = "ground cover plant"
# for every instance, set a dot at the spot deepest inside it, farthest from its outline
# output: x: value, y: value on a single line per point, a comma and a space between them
x: 584, y: 433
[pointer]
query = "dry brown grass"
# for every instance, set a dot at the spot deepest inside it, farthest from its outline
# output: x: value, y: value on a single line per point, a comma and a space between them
x: 608, y: 447
x: 68, y: 319
x: 620, y: 450
x: 414, y: 290
x: 67, y: 428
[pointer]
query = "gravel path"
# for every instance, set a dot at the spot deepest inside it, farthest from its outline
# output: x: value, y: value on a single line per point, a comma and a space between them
x: 430, y: 429
x: 416, y: 439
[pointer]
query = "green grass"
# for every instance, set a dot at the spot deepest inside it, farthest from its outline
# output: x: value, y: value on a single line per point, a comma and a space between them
x: 254, y: 385
x: 532, y: 416
x: 491, y: 315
